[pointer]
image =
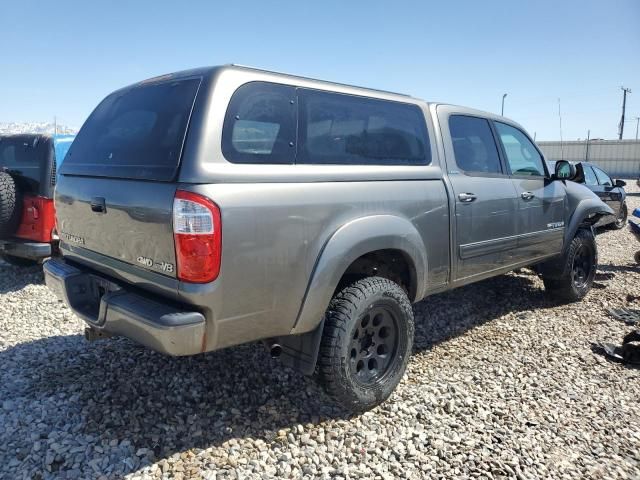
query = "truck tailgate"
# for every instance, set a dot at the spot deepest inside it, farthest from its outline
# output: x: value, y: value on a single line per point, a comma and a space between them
x: 128, y: 220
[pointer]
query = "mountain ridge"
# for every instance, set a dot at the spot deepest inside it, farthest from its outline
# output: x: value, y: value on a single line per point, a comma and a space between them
x: 10, y: 128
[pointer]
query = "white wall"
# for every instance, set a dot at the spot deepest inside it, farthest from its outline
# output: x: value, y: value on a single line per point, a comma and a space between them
x: 619, y: 158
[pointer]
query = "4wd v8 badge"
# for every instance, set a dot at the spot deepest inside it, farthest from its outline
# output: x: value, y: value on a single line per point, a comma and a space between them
x: 150, y: 263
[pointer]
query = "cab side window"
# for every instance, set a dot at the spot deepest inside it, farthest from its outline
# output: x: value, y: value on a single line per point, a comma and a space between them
x: 339, y: 129
x: 589, y: 176
x: 603, y: 178
x: 473, y: 145
x: 522, y: 156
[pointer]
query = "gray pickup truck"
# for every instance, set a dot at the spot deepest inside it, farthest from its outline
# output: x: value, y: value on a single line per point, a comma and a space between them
x: 218, y: 206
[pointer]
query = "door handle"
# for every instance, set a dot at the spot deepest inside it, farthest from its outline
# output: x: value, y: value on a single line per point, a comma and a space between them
x: 466, y: 197
x: 98, y: 205
x: 527, y: 195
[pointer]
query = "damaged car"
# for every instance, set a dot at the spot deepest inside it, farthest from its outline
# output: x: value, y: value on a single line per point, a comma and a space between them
x: 610, y: 191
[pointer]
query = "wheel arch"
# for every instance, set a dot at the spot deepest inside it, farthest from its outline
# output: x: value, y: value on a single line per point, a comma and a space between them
x: 586, y: 214
x: 351, y: 242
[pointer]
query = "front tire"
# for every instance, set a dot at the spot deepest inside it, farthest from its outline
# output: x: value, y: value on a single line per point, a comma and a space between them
x: 573, y: 277
x: 366, y: 343
x: 621, y: 220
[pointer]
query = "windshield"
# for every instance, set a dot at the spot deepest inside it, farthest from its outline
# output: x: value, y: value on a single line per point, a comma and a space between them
x: 136, y: 133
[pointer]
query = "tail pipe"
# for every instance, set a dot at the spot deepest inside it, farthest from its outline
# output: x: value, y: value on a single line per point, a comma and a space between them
x: 274, y: 348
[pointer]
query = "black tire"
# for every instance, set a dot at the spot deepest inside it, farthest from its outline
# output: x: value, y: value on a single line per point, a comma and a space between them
x: 621, y: 220
x: 18, y: 261
x: 10, y: 205
x: 574, y: 274
x: 366, y: 343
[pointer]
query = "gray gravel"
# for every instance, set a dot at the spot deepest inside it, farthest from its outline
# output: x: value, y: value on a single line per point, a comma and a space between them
x: 502, y: 384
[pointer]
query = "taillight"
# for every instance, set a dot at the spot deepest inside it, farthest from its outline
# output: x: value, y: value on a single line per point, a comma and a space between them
x: 38, y: 219
x: 197, y: 229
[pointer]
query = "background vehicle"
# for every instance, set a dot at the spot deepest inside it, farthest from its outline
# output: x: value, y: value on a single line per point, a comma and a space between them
x: 610, y: 191
x: 305, y: 213
x: 28, y: 166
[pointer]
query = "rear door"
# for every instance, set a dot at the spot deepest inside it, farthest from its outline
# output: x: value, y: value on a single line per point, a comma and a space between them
x: 114, y: 196
x: 540, y: 200
x: 485, y: 198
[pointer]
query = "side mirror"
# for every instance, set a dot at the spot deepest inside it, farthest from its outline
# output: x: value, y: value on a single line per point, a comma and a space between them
x: 564, y: 170
x: 620, y: 183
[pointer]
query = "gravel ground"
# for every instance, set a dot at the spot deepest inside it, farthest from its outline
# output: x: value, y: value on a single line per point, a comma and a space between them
x: 503, y: 383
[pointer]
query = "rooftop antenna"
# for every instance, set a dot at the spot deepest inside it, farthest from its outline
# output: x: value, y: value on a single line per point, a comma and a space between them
x: 561, y: 144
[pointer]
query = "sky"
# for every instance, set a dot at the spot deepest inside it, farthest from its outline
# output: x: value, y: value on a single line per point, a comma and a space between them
x: 62, y: 60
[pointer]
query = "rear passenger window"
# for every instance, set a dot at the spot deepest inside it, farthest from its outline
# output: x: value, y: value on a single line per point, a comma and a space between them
x: 260, y: 124
x: 473, y: 145
x: 346, y: 129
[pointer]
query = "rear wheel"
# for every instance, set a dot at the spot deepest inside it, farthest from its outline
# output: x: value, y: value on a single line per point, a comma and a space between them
x: 10, y: 205
x: 366, y: 343
x: 573, y: 277
x: 18, y: 261
x: 621, y: 220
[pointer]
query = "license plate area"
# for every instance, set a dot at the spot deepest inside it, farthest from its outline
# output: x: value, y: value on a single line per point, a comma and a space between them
x: 103, y: 289
x: 88, y: 296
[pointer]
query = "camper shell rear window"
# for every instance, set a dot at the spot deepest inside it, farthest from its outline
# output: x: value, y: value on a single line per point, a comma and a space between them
x: 136, y: 133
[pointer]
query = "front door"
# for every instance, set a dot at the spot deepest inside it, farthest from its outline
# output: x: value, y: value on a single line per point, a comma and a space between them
x: 607, y: 191
x: 540, y: 200
x: 485, y: 198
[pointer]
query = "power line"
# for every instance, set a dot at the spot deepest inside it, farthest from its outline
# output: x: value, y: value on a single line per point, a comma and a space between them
x: 624, y: 106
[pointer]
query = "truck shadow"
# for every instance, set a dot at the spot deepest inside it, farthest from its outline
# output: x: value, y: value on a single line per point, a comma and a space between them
x: 630, y: 267
x: 451, y: 314
x: 14, y: 278
x: 114, y: 391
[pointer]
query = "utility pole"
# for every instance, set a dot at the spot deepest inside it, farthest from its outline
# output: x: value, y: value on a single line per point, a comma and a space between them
x: 561, y: 145
x: 586, y: 152
x: 502, y: 110
x: 624, y: 105
x: 637, y: 123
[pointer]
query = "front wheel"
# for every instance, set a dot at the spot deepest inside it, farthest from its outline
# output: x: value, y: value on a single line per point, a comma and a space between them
x: 366, y: 343
x: 621, y: 219
x: 573, y: 277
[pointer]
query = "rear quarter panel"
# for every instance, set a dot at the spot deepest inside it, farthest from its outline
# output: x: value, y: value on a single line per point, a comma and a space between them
x: 273, y: 237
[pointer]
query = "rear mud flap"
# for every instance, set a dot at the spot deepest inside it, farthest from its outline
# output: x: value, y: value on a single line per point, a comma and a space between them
x: 301, y: 351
